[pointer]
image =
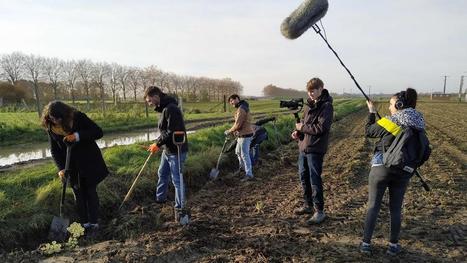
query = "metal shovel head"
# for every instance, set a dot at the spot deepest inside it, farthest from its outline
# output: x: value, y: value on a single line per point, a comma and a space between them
x: 214, y: 173
x: 58, y: 228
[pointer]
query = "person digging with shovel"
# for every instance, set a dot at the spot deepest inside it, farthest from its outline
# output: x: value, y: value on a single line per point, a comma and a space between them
x: 172, y: 158
x: 243, y: 130
x: 71, y: 129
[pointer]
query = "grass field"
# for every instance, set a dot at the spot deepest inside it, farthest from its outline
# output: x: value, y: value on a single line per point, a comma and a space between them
x: 24, y: 127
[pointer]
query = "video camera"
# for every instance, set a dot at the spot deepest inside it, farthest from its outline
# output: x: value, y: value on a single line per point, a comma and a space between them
x: 292, y: 104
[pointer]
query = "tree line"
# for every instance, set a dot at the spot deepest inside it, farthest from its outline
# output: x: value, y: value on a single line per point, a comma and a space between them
x: 53, y: 78
x: 274, y: 91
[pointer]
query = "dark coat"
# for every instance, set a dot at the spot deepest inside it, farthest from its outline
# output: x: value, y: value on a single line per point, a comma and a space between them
x: 376, y: 130
x: 171, y: 120
x: 86, y: 157
x: 387, y: 128
x: 317, y: 120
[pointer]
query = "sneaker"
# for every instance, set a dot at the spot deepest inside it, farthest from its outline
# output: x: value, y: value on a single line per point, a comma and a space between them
x: 90, y: 226
x: 317, y: 218
x: 394, y: 249
x: 90, y: 230
x: 303, y: 210
x: 365, y: 248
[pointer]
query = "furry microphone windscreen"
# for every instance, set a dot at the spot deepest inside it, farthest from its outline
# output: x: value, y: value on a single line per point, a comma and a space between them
x: 302, y: 18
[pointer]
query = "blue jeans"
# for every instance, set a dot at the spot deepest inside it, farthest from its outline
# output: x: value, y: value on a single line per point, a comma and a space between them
x: 169, y: 167
x: 254, y: 151
x: 243, y: 153
x: 310, y: 166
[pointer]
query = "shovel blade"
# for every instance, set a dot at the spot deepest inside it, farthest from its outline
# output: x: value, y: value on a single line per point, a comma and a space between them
x: 214, y: 173
x: 58, y: 228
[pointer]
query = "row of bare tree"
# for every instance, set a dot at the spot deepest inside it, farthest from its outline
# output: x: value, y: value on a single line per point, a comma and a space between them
x: 80, y: 79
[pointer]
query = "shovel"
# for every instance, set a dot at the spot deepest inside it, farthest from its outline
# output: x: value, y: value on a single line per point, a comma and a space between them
x: 215, y: 171
x: 182, y: 215
x: 59, y: 225
x: 127, y: 196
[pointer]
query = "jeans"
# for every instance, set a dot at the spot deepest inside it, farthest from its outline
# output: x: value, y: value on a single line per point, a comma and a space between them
x: 169, y: 167
x: 310, y: 166
x: 254, y: 150
x: 87, y: 201
x: 379, y: 179
x: 243, y: 153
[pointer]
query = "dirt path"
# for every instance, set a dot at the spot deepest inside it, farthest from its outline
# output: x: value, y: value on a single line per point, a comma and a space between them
x: 228, y: 227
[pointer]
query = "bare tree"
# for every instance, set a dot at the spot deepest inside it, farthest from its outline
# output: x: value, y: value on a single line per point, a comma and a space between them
x: 70, y: 75
x: 12, y: 65
x: 53, y: 69
x: 123, y: 77
x: 151, y: 76
x: 114, y: 80
x: 134, y: 80
x: 84, y: 69
x: 33, y: 66
x: 99, y: 74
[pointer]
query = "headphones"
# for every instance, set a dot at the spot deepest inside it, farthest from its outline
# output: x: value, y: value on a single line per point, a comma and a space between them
x: 401, y: 100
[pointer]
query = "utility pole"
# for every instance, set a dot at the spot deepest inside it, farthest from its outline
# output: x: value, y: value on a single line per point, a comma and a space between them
x: 460, y: 88
x: 444, y: 90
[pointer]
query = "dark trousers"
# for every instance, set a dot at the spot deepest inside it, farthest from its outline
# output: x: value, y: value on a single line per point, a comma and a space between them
x: 87, y: 201
x: 379, y: 179
x: 310, y: 167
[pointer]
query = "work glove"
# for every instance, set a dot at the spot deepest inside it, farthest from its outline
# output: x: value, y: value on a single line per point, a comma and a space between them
x: 227, y: 133
x: 153, y: 148
x: 70, y: 138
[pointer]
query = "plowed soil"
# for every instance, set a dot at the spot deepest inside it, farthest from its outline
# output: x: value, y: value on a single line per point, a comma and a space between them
x: 253, y: 221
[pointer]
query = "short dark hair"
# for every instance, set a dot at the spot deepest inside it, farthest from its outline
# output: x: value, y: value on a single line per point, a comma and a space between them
x: 153, y: 90
x: 314, y: 83
x: 233, y: 97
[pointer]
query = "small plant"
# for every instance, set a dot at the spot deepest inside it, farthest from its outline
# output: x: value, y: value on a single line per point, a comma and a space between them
x: 51, y: 248
x: 76, y: 231
x: 259, y: 206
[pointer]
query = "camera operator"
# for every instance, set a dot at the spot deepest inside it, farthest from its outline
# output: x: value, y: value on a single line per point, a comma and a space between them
x: 312, y: 134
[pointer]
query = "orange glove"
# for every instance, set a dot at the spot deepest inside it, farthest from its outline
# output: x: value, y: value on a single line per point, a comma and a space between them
x: 70, y: 138
x: 153, y: 148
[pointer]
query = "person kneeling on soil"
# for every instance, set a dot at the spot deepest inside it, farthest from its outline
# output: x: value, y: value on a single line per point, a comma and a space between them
x: 312, y: 135
x: 171, y: 120
x: 260, y: 134
x: 66, y: 125
x: 403, y: 114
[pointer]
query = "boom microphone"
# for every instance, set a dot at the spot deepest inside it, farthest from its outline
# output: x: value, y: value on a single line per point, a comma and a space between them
x: 302, y: 18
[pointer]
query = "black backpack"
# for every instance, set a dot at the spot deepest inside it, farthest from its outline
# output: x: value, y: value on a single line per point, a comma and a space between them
x: 409, y: 150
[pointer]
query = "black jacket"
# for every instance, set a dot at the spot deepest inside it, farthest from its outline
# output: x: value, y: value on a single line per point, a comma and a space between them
x: 86, y: 157
x: 317, y: 120
x: 171, y: 120
x: 387, y: 128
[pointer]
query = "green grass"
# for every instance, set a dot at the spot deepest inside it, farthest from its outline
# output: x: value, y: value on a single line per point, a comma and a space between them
x: 24, y: 127
x: 30, y: 197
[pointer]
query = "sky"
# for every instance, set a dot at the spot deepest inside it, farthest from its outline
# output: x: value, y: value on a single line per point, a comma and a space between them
x: 387, y: 45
